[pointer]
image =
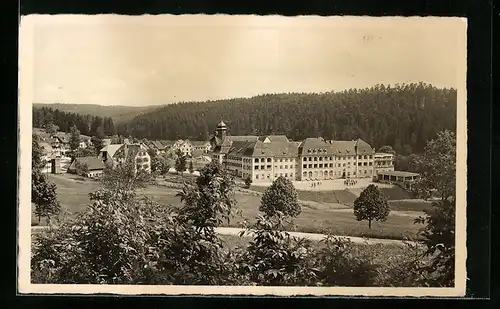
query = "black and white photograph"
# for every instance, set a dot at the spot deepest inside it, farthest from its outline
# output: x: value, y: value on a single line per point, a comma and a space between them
x: 242, y: 154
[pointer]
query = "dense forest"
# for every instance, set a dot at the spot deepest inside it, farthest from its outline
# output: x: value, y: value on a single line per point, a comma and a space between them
x: 404, y: 116
x: 118, y: 113
x: 86, y: 124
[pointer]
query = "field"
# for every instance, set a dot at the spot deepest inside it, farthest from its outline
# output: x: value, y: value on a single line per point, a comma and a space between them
x: 335, y: 196
x: 73, y: 195
x: 398, y: 198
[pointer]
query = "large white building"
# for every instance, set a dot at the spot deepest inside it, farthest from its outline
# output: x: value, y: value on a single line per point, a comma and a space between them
x: 265, y: 158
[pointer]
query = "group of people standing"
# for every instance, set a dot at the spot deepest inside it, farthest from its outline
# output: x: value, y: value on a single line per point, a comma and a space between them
x: 350, y: 182
x: 314, y: 184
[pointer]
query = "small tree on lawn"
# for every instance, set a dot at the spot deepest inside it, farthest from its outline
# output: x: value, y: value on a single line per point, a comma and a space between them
x: 74, y: 141
x: 281, y: 197
x: 180, y: 162
x: 371, y: 205
x: 44, y: 195
x: 191, y: 168
x: 157, y: 164
x: 125, y: 177
x: 248, y: 182
x: 43, y: 192
x: 37, y: 152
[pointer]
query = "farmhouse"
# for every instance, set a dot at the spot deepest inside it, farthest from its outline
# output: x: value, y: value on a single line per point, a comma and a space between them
x: 203, y: 146
x: 184, y: 146
x: 157, y: 147
x: 119, y: 153
x: 94, y: 166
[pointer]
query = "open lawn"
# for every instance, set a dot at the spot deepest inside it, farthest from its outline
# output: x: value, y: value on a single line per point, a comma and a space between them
x: 395, y: 193
x: 335, y: 196
x: 73, y: 195
x: 410, y: 205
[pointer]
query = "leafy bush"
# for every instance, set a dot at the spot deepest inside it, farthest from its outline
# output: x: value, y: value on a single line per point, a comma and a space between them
x: 110, y: 243
x: 341, y: 265
x: 248, y: 182
x: 438, y: 179
x: 274, y: 258
x: 191, y: 251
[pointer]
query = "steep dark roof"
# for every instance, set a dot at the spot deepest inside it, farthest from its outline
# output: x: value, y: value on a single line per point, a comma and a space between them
x: 167, y: 143
x: 47, y: 148
x: 196, y: 153
x: 364, y: 147
x: 259, y: 148
x: 243, y: 138
x: 221, y: 125
x: 275, y: 138
x: 111, y: 149
x: 93, y: 163
x: 320, y: 146
x: 157, y: 145
x: 343, y: 147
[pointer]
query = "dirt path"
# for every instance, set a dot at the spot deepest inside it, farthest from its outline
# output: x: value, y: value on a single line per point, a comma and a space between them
x: 233, y: 231
x: 313, y: 236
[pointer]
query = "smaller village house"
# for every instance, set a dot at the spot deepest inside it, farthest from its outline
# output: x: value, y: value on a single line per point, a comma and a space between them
x: 202, y: 146
x: 93, y: 166
x: 118, y: 153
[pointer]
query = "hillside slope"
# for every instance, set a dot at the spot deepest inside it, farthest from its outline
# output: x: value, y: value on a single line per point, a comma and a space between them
x: 119, y: 113
x: 404, y: 117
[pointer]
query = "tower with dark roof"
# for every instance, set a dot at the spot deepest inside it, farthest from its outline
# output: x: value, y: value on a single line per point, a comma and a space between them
x: 221, y: 130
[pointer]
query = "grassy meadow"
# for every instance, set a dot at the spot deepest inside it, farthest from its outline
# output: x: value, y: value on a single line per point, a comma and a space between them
x: 73, y: 193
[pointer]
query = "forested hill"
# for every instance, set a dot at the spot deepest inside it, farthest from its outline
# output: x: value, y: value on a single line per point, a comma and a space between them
x: 403, y: 116
x: 118, y: 113
x: 85, y: 123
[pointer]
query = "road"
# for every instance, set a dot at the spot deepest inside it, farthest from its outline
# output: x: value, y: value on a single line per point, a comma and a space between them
x: 233, y: 231
x: 316, y: 237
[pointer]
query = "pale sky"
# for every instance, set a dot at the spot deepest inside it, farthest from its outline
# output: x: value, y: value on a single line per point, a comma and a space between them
x: 149, y: 60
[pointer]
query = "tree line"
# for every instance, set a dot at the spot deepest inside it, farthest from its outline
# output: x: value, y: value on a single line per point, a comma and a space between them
x: 404, y: 116
x: 162, y: 244
x: 44, y: 117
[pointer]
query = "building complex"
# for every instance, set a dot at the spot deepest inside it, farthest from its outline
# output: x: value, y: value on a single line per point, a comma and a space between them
x: 265, y: 158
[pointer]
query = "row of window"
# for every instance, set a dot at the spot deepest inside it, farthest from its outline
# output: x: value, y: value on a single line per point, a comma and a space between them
x: 268, y: 176
x: 257, y: 160
x: 383, y: 163
x: 268, y: 167
x: 325, y: 165
x: 321, y: 165
x: 333, y: 173
x: 144, y: 166
x: 331, y: 158
x: 342, y: 158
